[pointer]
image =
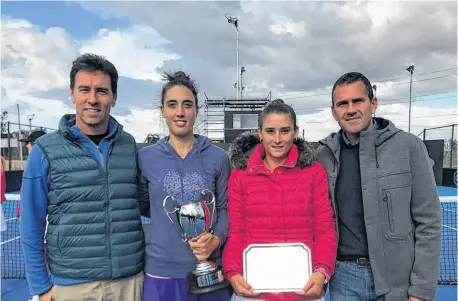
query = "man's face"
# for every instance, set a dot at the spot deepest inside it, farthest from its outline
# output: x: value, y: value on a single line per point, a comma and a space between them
x: 93, y: 98
x: 179, y: 111
x: 29, y: 146
x: 352, y: 108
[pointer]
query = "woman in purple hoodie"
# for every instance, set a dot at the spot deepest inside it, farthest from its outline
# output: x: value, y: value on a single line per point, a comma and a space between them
x: 180, y: 166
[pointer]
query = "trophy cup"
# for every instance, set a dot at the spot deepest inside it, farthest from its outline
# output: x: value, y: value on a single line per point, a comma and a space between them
x: 190, y: 221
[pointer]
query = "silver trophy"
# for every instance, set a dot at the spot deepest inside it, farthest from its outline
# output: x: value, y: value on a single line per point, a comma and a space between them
x: 190, y: 221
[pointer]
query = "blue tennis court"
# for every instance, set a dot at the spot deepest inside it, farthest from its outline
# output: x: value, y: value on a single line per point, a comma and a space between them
x: 448, y: 260
x: 14, y: 285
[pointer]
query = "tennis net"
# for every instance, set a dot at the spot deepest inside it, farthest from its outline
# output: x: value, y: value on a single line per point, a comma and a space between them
x: 13, y: 261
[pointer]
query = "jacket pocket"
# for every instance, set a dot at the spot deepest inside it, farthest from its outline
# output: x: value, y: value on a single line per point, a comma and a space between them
x: 388, y: 209
x: 394, y: 202
x: 397, y: 222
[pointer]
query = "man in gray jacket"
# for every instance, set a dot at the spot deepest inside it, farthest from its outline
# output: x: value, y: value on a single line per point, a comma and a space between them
x: 385, y: 202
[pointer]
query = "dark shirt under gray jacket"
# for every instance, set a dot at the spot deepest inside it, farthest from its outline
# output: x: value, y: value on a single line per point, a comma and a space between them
x: 349, y: 203
x: 401, y: 209
x: 352, y: 234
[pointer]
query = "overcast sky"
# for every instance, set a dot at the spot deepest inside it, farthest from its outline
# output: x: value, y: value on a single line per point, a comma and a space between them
x: 295, y: 50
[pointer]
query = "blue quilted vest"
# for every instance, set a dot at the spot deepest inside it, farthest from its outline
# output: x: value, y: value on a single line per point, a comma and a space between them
x: 94, y: 230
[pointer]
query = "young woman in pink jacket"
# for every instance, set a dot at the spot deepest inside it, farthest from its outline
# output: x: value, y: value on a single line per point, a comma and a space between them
x: 278, y: 193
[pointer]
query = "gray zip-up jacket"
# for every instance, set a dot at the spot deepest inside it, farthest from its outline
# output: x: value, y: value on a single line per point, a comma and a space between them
x: 401, y: 209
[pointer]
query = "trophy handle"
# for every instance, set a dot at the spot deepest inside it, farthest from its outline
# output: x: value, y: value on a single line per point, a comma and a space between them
x: 165, y: 208
x: 183, y: 235
x: 213, y: 203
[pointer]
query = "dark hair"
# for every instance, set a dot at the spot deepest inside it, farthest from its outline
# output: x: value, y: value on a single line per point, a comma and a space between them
x: 277, y: 106
x: 92, y: 63
x: 178, y: 78
x: 350, y: 78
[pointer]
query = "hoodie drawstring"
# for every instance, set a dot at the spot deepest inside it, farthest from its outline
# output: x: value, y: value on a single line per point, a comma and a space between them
x: 376, y: 157
x: 203, y: 169
x: 375, y: 149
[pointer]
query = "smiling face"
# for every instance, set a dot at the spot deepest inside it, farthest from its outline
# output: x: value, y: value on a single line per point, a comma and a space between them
x: 180, y: 111
x: 277, y: 134
x: 93, y: 98
x: 352, y: 108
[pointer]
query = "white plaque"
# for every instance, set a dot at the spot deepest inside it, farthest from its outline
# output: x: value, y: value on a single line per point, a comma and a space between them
x: 274, y: 268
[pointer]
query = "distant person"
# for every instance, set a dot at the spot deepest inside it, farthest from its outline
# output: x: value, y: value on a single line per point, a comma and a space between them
x: 84, y: 177
x: 29, y: 142
x: 181, y: 166
x: 278, y: 193
x: 384, y: 195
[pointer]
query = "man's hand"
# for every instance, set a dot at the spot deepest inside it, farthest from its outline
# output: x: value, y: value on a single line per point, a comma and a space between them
x: 314, y: 286
x: 48, y: 295
x: 414, y: 299
x: 203, y: 245
x: 241, y: 287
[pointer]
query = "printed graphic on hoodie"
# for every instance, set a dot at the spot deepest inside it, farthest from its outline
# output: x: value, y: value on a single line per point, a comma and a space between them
x: 184, y: 188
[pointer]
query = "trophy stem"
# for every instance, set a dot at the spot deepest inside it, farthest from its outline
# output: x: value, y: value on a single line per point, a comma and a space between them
x: 204, y: 267
x: 206, y: 277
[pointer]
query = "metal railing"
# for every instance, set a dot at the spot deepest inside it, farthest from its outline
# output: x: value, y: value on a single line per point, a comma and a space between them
x: 12, y: 149
x: 448, y: 134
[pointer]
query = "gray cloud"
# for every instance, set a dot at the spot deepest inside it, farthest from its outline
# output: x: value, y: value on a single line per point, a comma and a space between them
x: 4, y: 94
x: 333, y: 43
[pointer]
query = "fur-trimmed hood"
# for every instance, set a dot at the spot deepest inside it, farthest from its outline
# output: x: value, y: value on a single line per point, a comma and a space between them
x: 242, y: 147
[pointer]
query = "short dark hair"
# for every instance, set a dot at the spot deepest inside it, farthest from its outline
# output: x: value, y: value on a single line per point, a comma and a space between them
x: 92, y: 63
x: 179, y: 78
x: 350, y: 78
x: 277, y: 106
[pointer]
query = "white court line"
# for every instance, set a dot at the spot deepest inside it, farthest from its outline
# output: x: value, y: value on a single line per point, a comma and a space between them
x: 11, y: 219
x: 449, y: 210
x: 450, y: 227
x: 448, y: 199
x: 9, y: 240
x: 12, y: 196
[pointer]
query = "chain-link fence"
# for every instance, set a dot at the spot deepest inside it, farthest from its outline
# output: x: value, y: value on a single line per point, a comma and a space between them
x: 449, y: 135
x: 14, y: 151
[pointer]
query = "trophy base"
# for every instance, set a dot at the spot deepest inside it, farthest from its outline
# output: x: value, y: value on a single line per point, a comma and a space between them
x: 206, y: 278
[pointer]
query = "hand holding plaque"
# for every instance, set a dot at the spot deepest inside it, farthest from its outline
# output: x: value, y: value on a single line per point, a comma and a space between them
x: 192, y: 221
x: 241, y: 287
x: 314, y: 286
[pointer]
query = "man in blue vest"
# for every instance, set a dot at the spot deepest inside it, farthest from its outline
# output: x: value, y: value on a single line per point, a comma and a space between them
x: 84, y: 177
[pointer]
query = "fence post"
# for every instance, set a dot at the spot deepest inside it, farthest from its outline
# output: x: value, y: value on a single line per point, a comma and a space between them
x: 424, y: 134
x: 451, y: 147
x: 9, y: 146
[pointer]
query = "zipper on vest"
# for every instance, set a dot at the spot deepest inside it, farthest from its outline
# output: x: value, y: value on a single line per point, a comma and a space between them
x: 107, y: 187
x: 100, y: 152
x: 101, y: 156
x: 108, y: 222
x: 105, y: 180
x: 107, y: 209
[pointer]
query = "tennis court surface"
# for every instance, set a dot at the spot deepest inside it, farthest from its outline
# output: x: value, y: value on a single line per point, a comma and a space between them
x: 14, y: 286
